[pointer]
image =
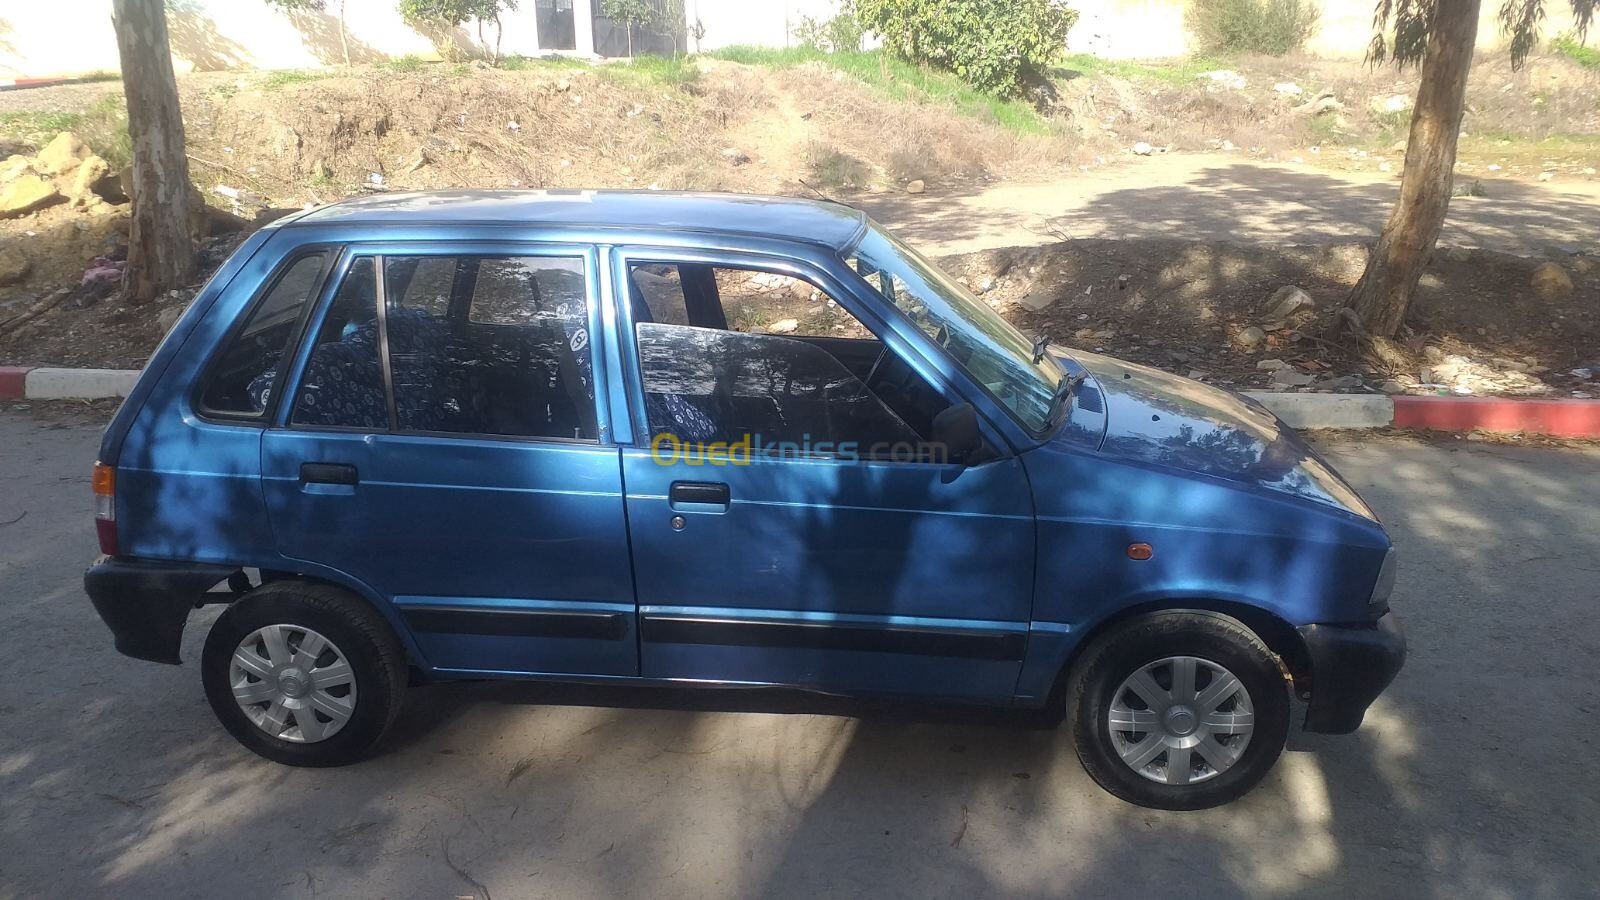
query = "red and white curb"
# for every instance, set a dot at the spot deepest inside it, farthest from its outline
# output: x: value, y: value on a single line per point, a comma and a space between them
x: 1552, y: 418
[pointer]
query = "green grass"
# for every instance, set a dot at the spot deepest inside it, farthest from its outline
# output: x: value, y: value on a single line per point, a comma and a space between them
x: 403, y: 64
x: 521, y: 63
x: 902, y: 81
x: 671, y: 71
x: 1568, y: 46
x: 34, y: 122
x: 103, y: 126
x: 285, y: 77
x: 1176, y: 71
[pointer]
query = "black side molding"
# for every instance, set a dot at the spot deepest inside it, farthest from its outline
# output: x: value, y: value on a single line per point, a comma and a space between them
x: 964, y: 644
x: 598, y: 626
x: 146, y: 602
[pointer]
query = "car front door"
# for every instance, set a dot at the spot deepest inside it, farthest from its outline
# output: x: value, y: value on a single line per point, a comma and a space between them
x: 872, y: 567
x: 442, y: 447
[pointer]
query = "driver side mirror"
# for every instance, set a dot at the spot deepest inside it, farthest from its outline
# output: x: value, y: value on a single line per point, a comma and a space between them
x: 956, y: 428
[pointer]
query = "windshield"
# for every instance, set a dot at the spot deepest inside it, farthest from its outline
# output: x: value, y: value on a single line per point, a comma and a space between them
x: 994, y: 353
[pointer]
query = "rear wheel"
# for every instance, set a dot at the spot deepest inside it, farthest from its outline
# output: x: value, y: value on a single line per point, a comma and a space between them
x: 1178, y: 710
x: 304, y: 674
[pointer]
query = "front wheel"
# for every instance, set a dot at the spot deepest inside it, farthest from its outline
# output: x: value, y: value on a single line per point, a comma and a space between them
x: 1178, y: 710
x: 304, y: 674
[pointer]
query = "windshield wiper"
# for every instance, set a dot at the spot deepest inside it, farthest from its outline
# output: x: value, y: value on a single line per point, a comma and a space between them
x: 1040, y: 344
x: 1067, y: 389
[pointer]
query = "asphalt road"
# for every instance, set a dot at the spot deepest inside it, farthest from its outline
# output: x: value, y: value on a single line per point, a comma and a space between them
x: 1475, y: 776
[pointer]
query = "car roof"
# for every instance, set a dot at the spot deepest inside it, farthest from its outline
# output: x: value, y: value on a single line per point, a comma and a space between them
x: 832, y: 225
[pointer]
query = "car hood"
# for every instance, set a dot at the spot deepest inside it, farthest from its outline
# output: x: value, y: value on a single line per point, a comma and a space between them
x: 1138, y: 413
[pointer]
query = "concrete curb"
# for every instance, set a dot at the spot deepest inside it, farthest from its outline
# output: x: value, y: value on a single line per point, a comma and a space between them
x: 1553, y: 418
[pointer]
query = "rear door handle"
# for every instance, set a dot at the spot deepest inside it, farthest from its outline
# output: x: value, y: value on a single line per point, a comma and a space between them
x: 699, y: 496
x: 329, y: 473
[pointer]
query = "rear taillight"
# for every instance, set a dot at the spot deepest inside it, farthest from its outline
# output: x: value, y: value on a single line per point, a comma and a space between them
x: 105, y: 507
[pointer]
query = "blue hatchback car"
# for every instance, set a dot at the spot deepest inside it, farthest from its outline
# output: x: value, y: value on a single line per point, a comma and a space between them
x: 715, y: 440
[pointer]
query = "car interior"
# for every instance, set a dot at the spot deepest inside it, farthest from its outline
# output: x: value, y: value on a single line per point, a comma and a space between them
x: 707, y: 382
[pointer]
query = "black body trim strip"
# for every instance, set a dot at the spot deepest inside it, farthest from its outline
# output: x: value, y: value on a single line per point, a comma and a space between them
x: 967, y: 644
x: 597, y: 626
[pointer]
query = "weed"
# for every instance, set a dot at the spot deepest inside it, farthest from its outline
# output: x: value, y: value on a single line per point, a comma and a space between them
x: 1273, y: 27
x: 1567, y: 45
x: 286, y: 77
x: 103, y: 126
x: 1178, y: 71
x: 523, y: 63
x: 408, y: 63
x: 833, y: 168
x: 670, y: 71
x: 39, y: 122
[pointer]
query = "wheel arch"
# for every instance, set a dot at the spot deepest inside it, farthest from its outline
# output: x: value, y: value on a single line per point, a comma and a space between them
x: 359, y: 590
x: 1280, y: 637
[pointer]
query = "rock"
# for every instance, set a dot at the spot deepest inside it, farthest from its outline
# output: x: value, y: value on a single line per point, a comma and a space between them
x: 1550, y: 281
x: 1343, y: 383
x: 1288, y: 301
x: 168, y: 317
x: 26, y: 194
x: 1288, y: 377
x: 1392, y: 387
x: 1547, y: 176
x: 1226, y: 78
x: 1036, y: 302
x: 1394, y: 103
x: 563, y: 86
x: 86, y: 179
x: 1322, y: 103
x: 916, y: 187
x: 1398, y: 146
x: 14, y: 167
x: 1143, y: 149
x: 984, y: 285
x: 1196, y: 374
x: 1271, y: 364
x: 1385, y: 167
x: 61, y: 155
x: 1288, y: 87
x: 14, y: 266
x: 783, y: 326
x: 1250, y: 338
x: 735, y: 156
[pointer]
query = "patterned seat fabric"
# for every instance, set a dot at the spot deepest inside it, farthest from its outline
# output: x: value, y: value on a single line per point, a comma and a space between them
x: 342, y: 386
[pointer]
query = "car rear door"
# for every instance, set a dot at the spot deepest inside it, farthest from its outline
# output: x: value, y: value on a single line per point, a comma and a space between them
x: 442, y: 447
x: 821, y: 569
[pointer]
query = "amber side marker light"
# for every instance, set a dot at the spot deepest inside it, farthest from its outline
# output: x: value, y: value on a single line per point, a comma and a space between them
x: 105, y: 507
x: 1140, y: 551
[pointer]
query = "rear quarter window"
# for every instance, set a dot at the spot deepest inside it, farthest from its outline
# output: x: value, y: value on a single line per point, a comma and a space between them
x: 242, y: 376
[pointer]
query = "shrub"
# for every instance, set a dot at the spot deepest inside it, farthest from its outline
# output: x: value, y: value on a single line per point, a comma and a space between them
x: 833, y: 168
x: 998, y: 46
x: 1568, y: 45
x: 1274, y: 27
x: 840, y: 34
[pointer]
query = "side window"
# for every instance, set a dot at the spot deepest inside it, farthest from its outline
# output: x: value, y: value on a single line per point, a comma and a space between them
x: 505, y: 352
x: 243, y: 376
x: 773, y: 359
x: 343, y: 382
x: 656, y: 293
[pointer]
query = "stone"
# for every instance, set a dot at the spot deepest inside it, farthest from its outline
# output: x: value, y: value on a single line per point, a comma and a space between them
x: 168, y: 317
x: 1394, y: 103
x: 14, y: 167
x: 26, y: 194
x: 1143, y: 149
x: 1271, y: 364
x: 1547, y: 176
x: 1226, y: 78
x: 783, y: 326
x: 85, y: 180
x: 1392, y: 387
x: 1288, y: 87
x: 1288, y: 377
x: 14, y: 266
x: 984, y: 285
x: 1288, y: 301
x: 1250, y: 338
x: 735, y: 156
x: 916, y: 187
x: 1550, y: 281
x: 61, y: 155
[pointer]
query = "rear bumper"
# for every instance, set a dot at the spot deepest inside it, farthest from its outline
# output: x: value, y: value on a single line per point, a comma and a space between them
x: 146, y: 602
x: 1350, y: 667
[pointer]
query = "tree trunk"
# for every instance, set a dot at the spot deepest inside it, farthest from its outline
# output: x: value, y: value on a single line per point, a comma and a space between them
x: 344, y: 38
x: 1380, y: 299
x: 161, y: 253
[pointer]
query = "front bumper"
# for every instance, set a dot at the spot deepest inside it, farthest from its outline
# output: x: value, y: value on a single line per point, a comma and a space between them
x: 1350, y: 667
x: 146, y: 602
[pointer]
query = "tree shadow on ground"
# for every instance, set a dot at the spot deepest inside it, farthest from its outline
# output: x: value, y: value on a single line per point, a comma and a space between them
x: 321, y: 32
x: 193, y: 36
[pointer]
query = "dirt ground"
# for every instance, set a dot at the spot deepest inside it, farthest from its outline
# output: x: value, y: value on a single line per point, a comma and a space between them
x: 1164, y: 258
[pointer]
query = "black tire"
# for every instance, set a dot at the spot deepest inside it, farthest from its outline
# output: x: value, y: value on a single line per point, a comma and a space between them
x: 360, y: 633
x: 1118, y: 654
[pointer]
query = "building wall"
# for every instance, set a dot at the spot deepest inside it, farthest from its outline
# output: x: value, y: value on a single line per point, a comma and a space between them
x: 58, y: 37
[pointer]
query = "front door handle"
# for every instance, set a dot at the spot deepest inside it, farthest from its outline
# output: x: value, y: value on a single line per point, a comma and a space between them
x: 699, y: 496
x: 329, y: 473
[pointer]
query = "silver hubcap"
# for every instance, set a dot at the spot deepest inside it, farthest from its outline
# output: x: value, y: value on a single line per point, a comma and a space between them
x: 293, y: 683
x: 1181, y: 720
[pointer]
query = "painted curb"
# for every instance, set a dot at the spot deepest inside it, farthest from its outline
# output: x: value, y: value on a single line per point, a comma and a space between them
x: 78, y: 384
x: 1329, y: 410
x: 14, y: 382
x: 1553, y: 418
